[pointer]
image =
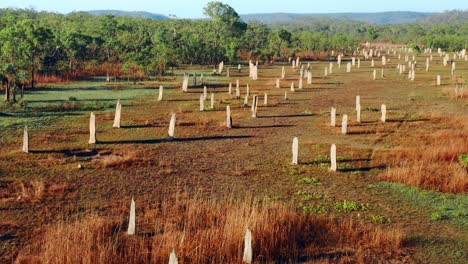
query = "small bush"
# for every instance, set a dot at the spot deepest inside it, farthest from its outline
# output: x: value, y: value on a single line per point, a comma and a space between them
x: 437, y: 216
x: 349, y: 206
x: 306, y: 196
x: 318, y: 209
x: 463, y: 158
x: 310, y: 181
x: 380, y: 219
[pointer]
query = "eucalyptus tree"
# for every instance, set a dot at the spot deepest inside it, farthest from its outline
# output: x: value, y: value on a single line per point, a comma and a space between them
x: 24, y: 45
x: 225, y: 29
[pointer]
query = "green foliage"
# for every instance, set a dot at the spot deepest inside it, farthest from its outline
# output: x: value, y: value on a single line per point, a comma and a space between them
x: 449, y: 36
x: 437, y: 216
x: 416, y: 49
x: 349, y: 206
x: 308, y: 196
x: 318, y: 209
x: 372, y: 34
x: 440, y: 206
x: 296, y: 171
x: 324, y: 165
x: 310, y: 181
x: 463, y: 158
x: 44, y: 106
x: 279, y: 41
x: 346, y: 165
x: 256, y: 37
x: 380, y: 219
x: 135, y: 48
x: 226, y: 16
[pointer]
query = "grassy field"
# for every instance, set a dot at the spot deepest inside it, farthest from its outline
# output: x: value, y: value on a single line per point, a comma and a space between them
x: 399, y: 195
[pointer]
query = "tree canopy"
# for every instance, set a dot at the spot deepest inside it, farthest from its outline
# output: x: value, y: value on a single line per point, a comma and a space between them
x: 77, y: 44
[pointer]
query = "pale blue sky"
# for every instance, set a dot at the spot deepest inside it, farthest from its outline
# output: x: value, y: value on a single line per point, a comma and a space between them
x: 194, y: 8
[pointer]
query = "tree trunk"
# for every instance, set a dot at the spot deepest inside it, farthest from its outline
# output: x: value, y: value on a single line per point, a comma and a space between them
x: 7, y: 92
x: 22, y: 90
x: 32, y: 78
x: 14, y: 95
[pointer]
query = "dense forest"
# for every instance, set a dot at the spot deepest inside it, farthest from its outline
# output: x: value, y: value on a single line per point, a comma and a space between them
x: 429, y: 33
x: 36, y: 44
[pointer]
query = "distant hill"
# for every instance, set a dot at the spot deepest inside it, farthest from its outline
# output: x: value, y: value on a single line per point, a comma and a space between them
x: 396, y: 17
x: 453, y: 16
x: 127, y: 13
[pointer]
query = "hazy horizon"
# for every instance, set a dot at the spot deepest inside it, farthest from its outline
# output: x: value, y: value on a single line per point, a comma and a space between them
x: 194, y: 9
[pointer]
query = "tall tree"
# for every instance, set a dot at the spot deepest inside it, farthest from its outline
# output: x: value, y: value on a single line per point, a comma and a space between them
x: 226, y: 25
x: 24, y: 44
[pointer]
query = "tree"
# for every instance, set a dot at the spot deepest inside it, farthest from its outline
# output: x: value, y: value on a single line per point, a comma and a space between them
x: 372, y: 33
x: 75, y: 45
x: 256, y: 37
x: 8, y: 73
x: 227, y: 17
x: 24, y: 46
x: 311, y: 41
x: 280, y: 40
x: 225, y: 26
x: 108, y: 34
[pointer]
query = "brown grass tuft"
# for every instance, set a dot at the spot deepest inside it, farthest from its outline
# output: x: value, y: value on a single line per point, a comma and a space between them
x: 213, y: 232
x: 432, y: 164
x: 440, y: 177
x: 31, y: 191
x: 118, y: 160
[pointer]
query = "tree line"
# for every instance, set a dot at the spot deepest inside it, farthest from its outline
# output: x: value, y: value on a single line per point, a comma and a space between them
x: 433, y: 32
x: 77, y: 44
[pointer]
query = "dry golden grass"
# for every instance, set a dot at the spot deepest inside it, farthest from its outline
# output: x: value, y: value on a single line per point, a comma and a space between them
x: 432, y: 163
x: 51, y: 137
x: 458, y: 94
x: 213, y: 232
x: 32, y: 191
x: 458, y: 90
x: 441, y: 177
x: 118, y: 160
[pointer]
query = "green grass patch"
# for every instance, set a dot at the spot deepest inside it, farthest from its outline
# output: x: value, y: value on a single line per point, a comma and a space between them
x: 308, y: 196
x: 310, y: 181
x: 379, y: 219
x: 349, y: 206
x: 324, y: 165
x: 463, y: 158
x: 441, y: 206
x: 311, y: 208
x: 345, y: 166
x: 296, y: 171
x: 45, y: 104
